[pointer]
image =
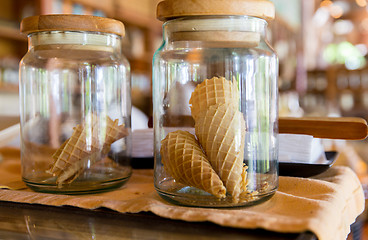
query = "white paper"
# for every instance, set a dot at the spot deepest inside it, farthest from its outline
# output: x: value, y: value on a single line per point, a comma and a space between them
x: 300, y: 148
x: 292, y: 147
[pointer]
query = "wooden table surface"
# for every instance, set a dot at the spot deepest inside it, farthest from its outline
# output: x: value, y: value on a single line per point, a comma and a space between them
x: 26, y: 221
x: 8, y: 121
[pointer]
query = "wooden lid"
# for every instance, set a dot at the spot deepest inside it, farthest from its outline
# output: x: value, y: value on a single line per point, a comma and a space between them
x: 69, y: 22
x: 169, y: 9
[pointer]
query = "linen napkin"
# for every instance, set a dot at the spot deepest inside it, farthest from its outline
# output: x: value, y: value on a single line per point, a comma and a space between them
x: 326, y: 204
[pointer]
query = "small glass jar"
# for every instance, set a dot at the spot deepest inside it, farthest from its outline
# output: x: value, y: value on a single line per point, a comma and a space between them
x: 215, y: 104
x: 75, y: 105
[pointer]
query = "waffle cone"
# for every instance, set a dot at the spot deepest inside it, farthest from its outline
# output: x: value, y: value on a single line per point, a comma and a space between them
x: 114, y: 132
x: 185, y: 161
x: 221, y: 132
x: 214, y: 91
x: 75, y: 154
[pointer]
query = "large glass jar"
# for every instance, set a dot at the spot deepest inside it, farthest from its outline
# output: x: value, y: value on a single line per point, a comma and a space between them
x: 75, y: 105
x: 215, y: 100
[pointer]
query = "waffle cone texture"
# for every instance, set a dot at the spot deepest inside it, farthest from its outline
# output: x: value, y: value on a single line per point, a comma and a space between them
x: 214, y: 91
x: 220, y: 131
x: 183, y: 157
x: 75, y: 154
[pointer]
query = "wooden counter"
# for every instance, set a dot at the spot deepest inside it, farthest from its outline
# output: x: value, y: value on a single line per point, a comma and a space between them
x: 26, y: 221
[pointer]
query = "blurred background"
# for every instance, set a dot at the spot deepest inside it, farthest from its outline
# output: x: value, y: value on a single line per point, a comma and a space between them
x: 322, y: 46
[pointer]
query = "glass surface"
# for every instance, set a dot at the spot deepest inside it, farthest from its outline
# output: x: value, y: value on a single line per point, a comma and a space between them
x: 75, y: 113
x: 197, y: 49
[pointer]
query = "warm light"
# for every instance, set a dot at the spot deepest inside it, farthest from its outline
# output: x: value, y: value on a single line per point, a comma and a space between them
x: 325, y: 3
x: 336, y: 11
x: 361, y: 3
x: 364, y: 25
x: 342, y: 27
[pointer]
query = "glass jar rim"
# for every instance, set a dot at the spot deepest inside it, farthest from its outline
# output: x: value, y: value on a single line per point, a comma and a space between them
x: 213, y: 22
x: 95, y: 41
x: 239, y: 31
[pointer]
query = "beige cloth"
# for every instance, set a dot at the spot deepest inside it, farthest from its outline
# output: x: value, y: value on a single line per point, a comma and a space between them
x: 326, y: 204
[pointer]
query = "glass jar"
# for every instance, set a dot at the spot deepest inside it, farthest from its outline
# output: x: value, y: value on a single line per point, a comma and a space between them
x: 215, y: 104
x: 75, y: 105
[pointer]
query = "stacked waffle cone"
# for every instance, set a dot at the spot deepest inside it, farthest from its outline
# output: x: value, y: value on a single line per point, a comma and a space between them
x: 84, y: 148
x: 183, y: 157
x: 214, y: 91
x: 220, y: 130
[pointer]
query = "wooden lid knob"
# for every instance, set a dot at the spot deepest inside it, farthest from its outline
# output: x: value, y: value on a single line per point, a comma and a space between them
x: 169, y: 9
x: 69, y: 22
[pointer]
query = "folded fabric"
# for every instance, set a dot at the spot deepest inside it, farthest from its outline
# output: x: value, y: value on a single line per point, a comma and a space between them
x: 326, y: 204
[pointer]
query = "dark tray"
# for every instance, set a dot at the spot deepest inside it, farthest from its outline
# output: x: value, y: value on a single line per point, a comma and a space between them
x: 285, y: 168
x: 293, y: 169
x: 143, y: 163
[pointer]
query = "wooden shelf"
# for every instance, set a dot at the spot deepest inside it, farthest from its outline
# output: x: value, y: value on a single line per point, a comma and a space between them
x: 139, y: 65
x: 128, y: 16
x: 9, y: 88
x: 11, y: 33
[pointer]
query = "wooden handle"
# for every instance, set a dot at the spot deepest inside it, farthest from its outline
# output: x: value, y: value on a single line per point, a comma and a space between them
x: 350, y: 128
